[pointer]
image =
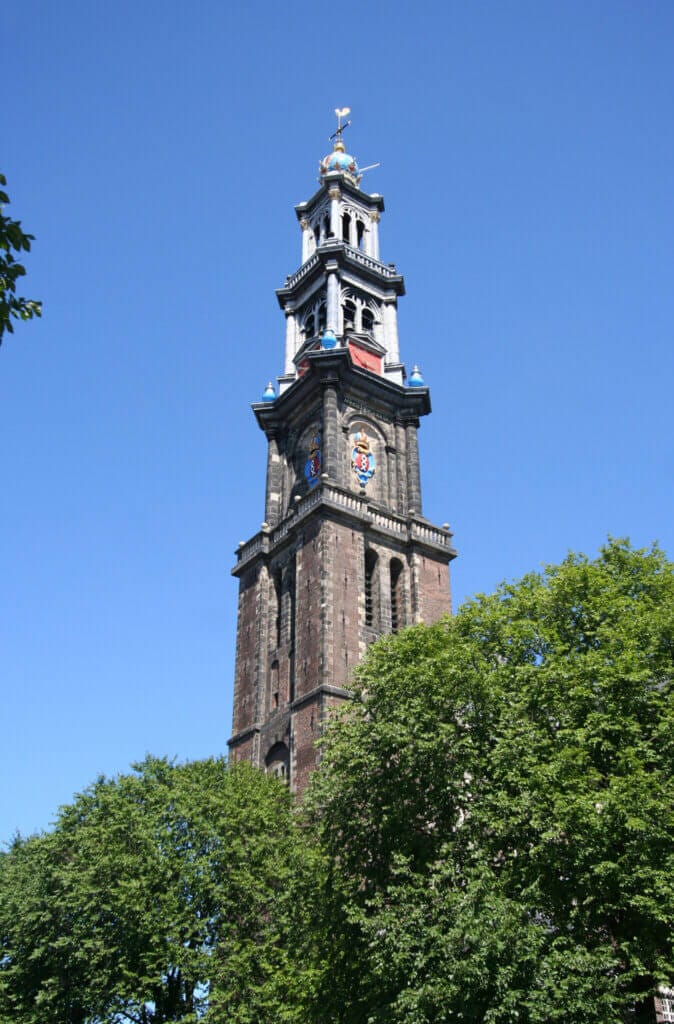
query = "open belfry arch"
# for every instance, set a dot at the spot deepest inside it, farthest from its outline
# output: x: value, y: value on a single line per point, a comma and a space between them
x: 344, y: 554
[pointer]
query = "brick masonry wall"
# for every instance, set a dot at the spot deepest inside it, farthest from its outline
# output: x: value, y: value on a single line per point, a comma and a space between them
x: 246, y: 652
x: 435, y: 599
x: 344, y: 552
x: 308, y: 655
x: 306, y: 730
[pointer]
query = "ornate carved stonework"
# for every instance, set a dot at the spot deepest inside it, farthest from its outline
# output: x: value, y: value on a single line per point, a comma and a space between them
x: 362, y: 458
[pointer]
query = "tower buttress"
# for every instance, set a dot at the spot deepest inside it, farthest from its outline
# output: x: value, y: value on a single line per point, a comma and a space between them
x: 344, y: 554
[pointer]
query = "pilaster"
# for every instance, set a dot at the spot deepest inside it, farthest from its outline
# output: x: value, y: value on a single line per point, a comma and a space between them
x: 330, y: 432
x: 413, y: 471
x: 273, y: 483
x: 375, y: 217
x: 291, y: 341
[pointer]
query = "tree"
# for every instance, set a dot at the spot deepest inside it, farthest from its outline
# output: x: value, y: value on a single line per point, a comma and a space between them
x: 12, y: 239
x: 498, y: 807
x: 159, y: 896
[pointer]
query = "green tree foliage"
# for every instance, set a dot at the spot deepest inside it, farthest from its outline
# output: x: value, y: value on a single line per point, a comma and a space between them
x: 490, y: 838
x: 498, y: 808
x: 12, y: 239
x: 159, y: 896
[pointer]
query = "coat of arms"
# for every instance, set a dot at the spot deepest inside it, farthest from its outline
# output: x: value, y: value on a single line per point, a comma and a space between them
x: 362, y: 459
x: 312, y: 467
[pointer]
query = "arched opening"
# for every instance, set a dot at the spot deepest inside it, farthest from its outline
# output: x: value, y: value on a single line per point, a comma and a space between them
x: 360, y: 234
x: 346, y: 227
x: 322, y: 318
x: 367, y: 320
x: 349, y: 315
x: 326, y: 227
x: 278, y: 618
x: 274, y: 694
x: 291, y: 590
x: 317, y: 234
x: 309, y: 327
x: 277, y: 762
x: 396, y: 576
x: 371, y: 603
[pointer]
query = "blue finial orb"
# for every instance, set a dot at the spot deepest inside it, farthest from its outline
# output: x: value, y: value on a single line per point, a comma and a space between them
x: 416, y: 380
x: 342, y: 162
x: 269, y: 395
x: 328, y: 339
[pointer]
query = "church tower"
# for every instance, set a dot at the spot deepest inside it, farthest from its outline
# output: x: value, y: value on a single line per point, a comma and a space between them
x: 344, y: 553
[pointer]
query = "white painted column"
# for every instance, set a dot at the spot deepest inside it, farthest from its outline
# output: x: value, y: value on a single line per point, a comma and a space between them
x: 291, y: 342
x: 367, y: 240
x: 391, y: 332
x: 333, y: 301
x: 307, y: 239
x: 375, y: 217
x: 353, y: 235
x: 335, y: 227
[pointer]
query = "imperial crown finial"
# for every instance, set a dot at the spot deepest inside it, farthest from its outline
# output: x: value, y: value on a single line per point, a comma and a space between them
x: 339, y: 160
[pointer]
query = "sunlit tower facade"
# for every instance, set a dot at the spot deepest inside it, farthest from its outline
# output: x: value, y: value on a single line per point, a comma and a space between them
x: 344, y: 554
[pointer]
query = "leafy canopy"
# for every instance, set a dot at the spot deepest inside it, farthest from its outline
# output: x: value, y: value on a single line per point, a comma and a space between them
x: 498, y: 807
x: 489, y: 838
x: 159, y: 896
x: 12, y: 239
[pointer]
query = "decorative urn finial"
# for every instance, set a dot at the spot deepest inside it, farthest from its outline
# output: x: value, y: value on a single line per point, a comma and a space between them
x: 416, y: 379
x: 269, y: 395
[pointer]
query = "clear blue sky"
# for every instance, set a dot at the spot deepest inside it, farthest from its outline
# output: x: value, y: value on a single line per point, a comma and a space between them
x: 156, y: 152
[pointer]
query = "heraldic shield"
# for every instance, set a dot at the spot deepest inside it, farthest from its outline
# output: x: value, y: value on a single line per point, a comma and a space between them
x: 362, y: 458
x: 312, y: 467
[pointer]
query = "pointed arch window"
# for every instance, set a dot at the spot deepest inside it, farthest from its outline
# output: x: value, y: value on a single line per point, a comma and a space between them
x: 274, y: 693
x: 396, y: 575
x: 371, y: 603
x: 278, y: 619
x: 346, y: 227
x: 277, y: 762
x: 360, y: 234
x: 349, y: 314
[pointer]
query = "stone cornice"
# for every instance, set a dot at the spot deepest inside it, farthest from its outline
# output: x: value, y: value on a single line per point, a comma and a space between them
x: 346, y: 257
x: 357, y: 384
x: 410, y: 531
x: 337, y: 180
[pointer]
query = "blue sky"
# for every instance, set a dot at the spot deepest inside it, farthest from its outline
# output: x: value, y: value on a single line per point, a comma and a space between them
x: 156, y: 152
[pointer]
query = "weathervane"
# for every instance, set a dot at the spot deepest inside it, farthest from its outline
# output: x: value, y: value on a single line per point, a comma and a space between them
x: 341, y: 112
x: 326, y: 164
